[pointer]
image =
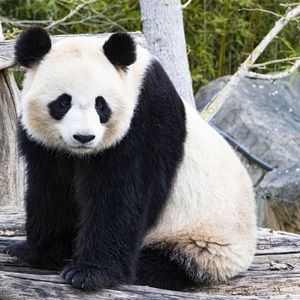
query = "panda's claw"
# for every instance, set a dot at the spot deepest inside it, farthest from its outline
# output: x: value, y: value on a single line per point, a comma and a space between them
x: 85, y: 276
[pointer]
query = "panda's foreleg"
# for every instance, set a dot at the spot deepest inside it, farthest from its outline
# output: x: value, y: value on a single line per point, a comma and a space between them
x: 111, y: 226
x: 50, y: 218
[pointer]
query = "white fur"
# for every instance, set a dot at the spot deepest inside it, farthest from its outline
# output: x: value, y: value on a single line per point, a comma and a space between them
x: 210, y: 215
x: 78, y: 67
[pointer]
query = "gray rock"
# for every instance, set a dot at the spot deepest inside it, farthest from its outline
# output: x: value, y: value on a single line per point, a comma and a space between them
x: 281, y: 189
x: 264, y: 117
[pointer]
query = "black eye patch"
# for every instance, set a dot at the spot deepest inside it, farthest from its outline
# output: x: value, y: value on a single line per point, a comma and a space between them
x: 59, y: 107
x: 102, y: 109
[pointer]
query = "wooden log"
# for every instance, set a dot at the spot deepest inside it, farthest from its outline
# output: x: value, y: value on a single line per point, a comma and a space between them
x: 11, y: 221
x: 7, y: 47
x: 11, y: 179
x: 274, y: 273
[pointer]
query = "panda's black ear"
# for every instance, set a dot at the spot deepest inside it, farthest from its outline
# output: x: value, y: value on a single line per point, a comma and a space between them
x: 32, y: 45
x: 120, y: 49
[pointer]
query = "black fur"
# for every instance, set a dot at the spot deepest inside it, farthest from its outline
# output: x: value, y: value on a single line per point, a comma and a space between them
x: 101, y: 206
x: 50, y: 206
x: 59, y: 107
x: 32, y: 45
x: 120, y: 49
x: 161, y: 266
x: 102, y: 109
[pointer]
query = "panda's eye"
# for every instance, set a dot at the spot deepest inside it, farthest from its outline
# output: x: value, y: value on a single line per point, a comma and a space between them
x: 99, y: 102
x: 102, y: 109
x: 65, y: 100
x: 59, y: 107
x: 64, y: 103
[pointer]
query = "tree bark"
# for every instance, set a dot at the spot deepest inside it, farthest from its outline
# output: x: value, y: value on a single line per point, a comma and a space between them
x: 164, y: 31
x: 274, y: 273
x: 11, y: 185
x: 11, y: 179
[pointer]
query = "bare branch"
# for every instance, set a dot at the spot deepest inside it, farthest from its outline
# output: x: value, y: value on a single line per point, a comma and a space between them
x: 261, y: 10
x: 216, y: 103
x: 183, y: 6
x: 70, y: 15
x: 289, y: 4
x: 279, y: 75
x: 276, y: 61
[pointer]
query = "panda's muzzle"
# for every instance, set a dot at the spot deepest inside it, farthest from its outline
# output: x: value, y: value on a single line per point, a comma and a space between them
x: 83, y: 138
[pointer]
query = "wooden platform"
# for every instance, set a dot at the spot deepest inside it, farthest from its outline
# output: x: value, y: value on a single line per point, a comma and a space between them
x: 274, y: 274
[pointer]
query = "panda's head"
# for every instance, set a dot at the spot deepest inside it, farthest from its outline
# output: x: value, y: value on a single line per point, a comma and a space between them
x: 79, y: 94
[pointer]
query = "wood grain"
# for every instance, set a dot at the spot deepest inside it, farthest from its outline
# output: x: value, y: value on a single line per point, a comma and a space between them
x: 274, y: 273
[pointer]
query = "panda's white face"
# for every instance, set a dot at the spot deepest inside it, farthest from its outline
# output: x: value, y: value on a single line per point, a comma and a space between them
x: 76, y: 100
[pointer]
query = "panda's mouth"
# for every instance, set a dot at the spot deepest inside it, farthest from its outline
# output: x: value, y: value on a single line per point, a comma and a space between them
x: 81, y: 150
x: 81, y: 147
x: 75, y: 147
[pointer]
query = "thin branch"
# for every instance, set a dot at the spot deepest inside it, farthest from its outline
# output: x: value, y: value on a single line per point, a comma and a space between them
x: 289, y: 4
x: 23, y: 22
x: 276, y: 61
x: 216, y: 103
x: 183, y: 6
x: 70, y: 15
x: 279, y: 75
x: 261, y: 10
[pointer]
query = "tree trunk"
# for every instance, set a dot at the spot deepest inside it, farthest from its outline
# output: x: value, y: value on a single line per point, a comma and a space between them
x: 11, y: 185
x: 163, y: 28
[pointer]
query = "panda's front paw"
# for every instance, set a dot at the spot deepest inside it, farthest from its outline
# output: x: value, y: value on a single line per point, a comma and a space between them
x: 27, y: 254
x: 87, y: 276
x: 19, y: 249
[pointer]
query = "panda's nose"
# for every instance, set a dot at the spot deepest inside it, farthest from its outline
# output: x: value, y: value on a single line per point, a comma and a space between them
x: 83, y: 138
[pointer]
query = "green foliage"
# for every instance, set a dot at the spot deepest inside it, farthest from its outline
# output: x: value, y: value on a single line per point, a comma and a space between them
x: 220, y: 34
x: 100, y: 16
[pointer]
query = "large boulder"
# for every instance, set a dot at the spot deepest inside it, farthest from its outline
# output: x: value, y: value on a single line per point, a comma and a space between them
x: 264, y: 117
x: 281, y: 189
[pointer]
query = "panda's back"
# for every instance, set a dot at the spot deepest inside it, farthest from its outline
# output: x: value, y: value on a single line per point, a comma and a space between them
x: 206, y: 184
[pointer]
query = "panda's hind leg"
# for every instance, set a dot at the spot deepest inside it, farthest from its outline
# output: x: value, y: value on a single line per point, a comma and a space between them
x: 161, y: 266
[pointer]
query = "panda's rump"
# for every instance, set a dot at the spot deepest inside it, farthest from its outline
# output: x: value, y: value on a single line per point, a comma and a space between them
x: 208, y: 224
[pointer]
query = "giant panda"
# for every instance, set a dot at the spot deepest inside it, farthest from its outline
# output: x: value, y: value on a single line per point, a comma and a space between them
x: 126, y: 184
